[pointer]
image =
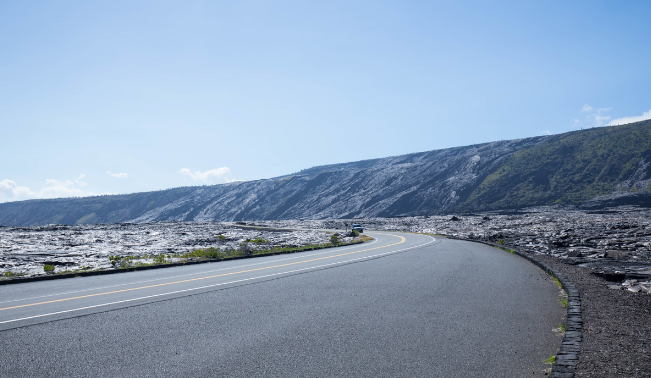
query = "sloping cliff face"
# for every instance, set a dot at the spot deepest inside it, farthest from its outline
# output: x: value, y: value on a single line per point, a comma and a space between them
x: 420, y: 183
x: 610, y: 165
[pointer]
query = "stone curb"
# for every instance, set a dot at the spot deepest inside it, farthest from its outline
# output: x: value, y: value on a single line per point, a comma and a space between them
x: 568, y: 355
x: 138, y: 268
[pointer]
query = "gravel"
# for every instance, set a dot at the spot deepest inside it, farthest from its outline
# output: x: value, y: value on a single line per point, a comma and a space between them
x: 616, y: 326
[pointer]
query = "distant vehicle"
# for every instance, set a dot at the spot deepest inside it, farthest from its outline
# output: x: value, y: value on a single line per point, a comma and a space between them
x: 357, y: 227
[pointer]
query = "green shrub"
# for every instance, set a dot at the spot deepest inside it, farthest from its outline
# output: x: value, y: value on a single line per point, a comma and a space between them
x: 120, y: 262
x: 48, y: 268
x: 259, y: 240
x: 160, y: 259
x: 551, y: 360
x: 334, y: 239
x: 210, y: 253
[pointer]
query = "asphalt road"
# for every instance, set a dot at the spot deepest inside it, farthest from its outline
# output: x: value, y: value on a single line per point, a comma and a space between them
x: 403, y: 305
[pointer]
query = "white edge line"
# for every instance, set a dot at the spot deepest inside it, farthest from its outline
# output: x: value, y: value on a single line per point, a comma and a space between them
x: 185, y: 275
x: 219, y: 284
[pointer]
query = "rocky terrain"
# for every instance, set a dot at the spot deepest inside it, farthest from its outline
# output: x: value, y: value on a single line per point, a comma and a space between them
x: 614, y: 244
x: 606, y: 253
x: 592, y: 168
x: 25, y: 250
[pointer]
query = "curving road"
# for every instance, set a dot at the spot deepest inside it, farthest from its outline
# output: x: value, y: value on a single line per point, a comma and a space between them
x: 401, y: 305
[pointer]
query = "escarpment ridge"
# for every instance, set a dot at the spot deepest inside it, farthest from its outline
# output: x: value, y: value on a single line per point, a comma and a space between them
x: 592, y: 168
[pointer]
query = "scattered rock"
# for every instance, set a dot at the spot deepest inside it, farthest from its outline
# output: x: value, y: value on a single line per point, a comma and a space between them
x: 574, y: 254
x: 617, y: 254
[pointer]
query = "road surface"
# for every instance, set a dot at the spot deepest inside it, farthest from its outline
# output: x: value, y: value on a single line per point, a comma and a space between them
x: 401, y: 305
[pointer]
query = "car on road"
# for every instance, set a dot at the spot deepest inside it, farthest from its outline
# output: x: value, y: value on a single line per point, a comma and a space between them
x: 357, y: 227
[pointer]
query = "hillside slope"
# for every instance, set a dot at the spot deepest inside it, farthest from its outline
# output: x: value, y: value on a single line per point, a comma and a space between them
x: 571, y: 168
x: 606, y: 165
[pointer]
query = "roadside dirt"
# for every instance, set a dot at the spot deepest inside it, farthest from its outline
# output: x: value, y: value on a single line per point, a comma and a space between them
x: 616, y: 325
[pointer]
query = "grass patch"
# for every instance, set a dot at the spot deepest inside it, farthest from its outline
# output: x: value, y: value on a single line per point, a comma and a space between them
x: 259, y: 241
x: 122, y: 262
x: 365, y: 238
x: 550, y: 360
x: 560, y: 329
x: 209, y: 253
x: 501, y: 246
x: 558, y: 283
x: 563, y: 302
x: 10, y: 275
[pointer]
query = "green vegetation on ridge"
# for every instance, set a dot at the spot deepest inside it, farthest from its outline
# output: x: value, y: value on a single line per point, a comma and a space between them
x: 568, y: 169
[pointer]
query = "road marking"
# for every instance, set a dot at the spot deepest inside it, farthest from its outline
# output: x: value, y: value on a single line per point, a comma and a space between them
x: 301, y: 256
x: 231, y: 282
x: 200, y: 278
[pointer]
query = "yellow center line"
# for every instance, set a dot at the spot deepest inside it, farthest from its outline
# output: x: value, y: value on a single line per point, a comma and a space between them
x: 202, y: 278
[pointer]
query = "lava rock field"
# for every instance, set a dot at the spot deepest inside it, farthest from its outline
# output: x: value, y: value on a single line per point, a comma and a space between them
x: 613, y: 243
x: 25, y: 250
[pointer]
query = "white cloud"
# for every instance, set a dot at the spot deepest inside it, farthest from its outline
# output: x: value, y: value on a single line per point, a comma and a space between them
x: 10, y: 191
x: 600, y: 120
x: 594, y: 117
x: 625, y: 120
x: 218, y: 174
x: 57, y: 189
x: 117, y: 175
x: 78, y: 180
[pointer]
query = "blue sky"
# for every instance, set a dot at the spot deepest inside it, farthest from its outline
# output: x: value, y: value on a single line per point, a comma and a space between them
x: 128, y: 96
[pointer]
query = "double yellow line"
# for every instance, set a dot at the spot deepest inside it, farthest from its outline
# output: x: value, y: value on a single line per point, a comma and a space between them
x: 402, y: 240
